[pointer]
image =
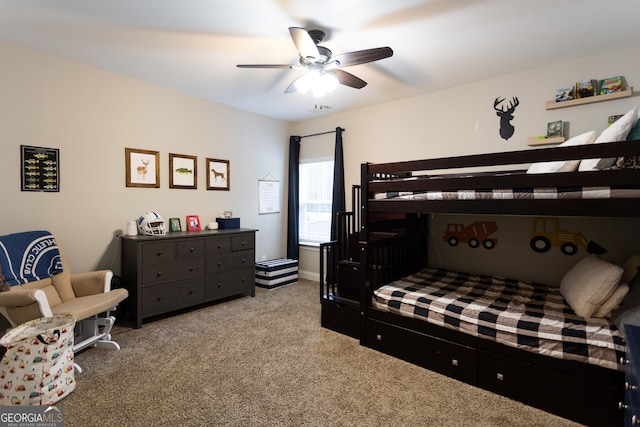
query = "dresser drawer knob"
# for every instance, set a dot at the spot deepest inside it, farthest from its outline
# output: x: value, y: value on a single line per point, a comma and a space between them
x: 191, y: 249
x: 499, y: 376
x: 159, y: 253
x: 454, y: 362
x: 628, y: 386
x: 379, y: 337
x: 244, y: 243
x: 219, y: 246
x: 192, y: 268
x: 191, y: 291
x: 622, y: 406
x: 159, y: 274
x: 158, y: 298
x: 243, y: 260
x: 624, y: 361
x: 219, y: 264
x: 635, y: 421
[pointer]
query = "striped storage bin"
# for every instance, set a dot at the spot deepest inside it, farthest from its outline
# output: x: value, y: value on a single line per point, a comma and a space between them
x: 276, y: 272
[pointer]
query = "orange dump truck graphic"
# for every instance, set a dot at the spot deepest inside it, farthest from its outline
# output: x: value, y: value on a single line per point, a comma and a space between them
x: 472, y: 234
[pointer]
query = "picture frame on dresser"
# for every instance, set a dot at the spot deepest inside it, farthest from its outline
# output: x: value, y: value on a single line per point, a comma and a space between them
x: 183, y: 171
x: 193, y: 223
x: 142, y: 168
x: 175, y: 225
x: 218, y: 174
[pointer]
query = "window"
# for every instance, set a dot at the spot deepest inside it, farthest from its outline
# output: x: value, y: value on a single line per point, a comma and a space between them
x: 316, y: 192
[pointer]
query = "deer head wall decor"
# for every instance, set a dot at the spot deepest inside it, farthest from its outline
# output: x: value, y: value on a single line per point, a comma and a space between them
x: 506, y: 128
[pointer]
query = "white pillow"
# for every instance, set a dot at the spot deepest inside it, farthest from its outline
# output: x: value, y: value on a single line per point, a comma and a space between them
x: 589, y: 283
x: 613, y: 302
x: 566, y: 165
x: 618, y: 131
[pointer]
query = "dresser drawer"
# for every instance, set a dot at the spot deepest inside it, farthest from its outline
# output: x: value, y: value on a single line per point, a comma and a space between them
x: 241, y: 243
x: 218, y: 245
x: 154, y: 253
x: 171, y: 271
x: 229, y: 261
x: 190, y: 249
x: 229, y: 283
x: 161, y: 298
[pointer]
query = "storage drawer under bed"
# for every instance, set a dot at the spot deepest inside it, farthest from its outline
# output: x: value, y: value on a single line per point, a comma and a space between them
x: 560, y: 392
x: 451, y: 359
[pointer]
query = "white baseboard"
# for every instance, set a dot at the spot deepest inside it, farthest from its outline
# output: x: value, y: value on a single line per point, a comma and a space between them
x: 309, y: 275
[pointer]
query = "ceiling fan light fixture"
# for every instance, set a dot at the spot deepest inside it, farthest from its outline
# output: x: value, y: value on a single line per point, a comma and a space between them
x: 319, y: 82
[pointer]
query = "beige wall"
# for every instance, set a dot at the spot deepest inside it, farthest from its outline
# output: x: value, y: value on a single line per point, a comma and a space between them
x: 91, y: 116
x: 461, y: 120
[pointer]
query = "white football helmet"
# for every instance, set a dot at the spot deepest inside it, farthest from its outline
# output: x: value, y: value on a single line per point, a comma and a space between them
x: 151, y: 224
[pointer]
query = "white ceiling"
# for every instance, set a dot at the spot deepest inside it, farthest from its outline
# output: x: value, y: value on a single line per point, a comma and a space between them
x: 193, y: 46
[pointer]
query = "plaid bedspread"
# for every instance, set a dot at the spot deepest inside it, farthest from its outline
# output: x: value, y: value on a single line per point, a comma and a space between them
x: 516, y: 193
x: 518, y: 314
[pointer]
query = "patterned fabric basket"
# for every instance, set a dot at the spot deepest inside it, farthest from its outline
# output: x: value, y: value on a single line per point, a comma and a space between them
x: 37, y: 368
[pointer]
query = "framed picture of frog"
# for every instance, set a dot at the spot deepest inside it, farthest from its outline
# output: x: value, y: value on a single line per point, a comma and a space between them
x: 183, y: 171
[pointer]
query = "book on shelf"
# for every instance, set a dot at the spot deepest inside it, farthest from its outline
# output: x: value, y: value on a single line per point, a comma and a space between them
x: 564, y: 94
x: 611, y: 85
x: 586, y: 88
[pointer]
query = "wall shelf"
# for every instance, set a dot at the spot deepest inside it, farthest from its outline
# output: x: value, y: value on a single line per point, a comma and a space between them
x: 552, y: 105
x: 534, y: 140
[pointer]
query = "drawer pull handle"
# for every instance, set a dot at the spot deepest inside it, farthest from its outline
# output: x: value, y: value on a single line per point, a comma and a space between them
x: 191, y: 291
x: 158, y: 298
x: 622, y: 406
x: 243, y: 243
x: 219, y: 264
x: 499, y: 376
x: 243, y: 260
x: 219, y: 246
x: 159, y: 274
x: 624, y: 361
x: 191, y: 249
x: 159, y: 253
x: 628, y: 386
x: 454, y: 362
x: 192, y: 268
x: 379, y: 337
x: 635, y: 420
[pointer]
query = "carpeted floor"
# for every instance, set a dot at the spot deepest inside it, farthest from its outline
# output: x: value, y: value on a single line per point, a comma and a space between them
x: 265, y: 361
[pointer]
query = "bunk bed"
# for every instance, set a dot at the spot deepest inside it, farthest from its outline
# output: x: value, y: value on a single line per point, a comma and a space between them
x: 394, y: 317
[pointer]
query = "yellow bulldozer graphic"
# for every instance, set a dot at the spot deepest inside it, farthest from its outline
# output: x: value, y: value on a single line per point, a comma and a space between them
x: 545, y: 233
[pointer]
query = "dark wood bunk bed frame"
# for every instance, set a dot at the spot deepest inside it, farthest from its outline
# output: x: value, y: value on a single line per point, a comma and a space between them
x: 391, y: 243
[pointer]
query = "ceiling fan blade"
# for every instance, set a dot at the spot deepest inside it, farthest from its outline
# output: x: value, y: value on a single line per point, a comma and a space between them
x: 349, y: 79
x: 264, y: 66
x: 304, y: 43
x: 363, y: 56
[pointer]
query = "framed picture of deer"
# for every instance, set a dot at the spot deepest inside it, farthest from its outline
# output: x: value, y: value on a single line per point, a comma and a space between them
x: 142, y: 168
x: 183, y: 171
x: 217, y: 174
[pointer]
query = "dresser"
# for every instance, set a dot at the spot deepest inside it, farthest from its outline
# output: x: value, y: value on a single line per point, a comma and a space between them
x: 632, y: 377
x: 184, y: 269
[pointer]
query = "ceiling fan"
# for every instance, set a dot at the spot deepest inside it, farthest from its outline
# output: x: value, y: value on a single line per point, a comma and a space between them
x: 324, y: 71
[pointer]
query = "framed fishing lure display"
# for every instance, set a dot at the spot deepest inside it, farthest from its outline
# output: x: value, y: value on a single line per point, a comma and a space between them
x: 39, y: 169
